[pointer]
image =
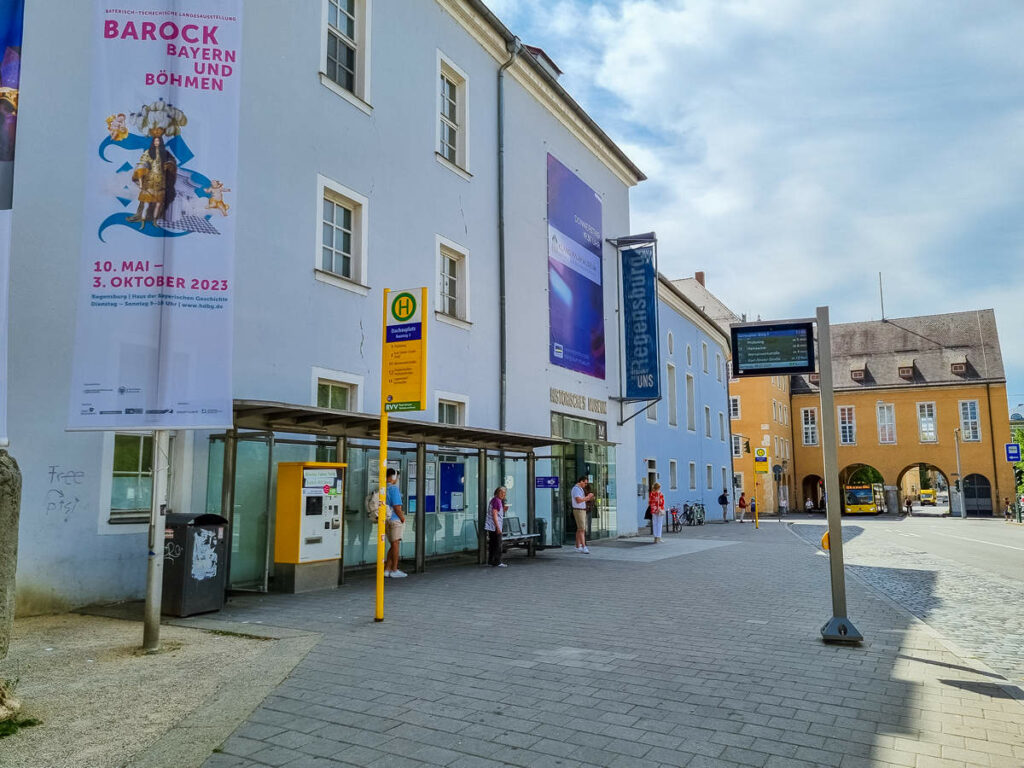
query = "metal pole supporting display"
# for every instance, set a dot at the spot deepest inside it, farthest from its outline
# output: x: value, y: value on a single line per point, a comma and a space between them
x: 838, y: 629
x: 155, y: 562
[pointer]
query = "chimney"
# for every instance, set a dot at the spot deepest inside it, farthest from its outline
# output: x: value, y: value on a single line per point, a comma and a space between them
x: 699, y: 276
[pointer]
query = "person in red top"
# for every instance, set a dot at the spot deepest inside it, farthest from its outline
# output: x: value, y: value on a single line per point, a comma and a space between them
x: 657, y: 504
x: 742, y: 504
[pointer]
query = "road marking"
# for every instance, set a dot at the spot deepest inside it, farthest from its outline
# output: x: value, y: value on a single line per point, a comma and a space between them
x: 979, y: 541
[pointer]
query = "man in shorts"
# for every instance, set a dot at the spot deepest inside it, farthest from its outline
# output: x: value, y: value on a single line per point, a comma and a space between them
x: 395, y: 526
x: 580, y: 497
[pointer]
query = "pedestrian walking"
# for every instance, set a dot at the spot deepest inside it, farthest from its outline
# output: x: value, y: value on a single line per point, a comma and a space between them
x: 909, y: 503
x: 580, y: 497
x: 395, y: 526
x: 1006, y: 508
x: 657, y: 503
x: 724, y: 501
x: 742, y: 504
x: 494, y: 524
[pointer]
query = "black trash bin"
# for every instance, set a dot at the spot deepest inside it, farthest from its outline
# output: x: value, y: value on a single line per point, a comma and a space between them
x: 195, y: 567
x: 542, y: 529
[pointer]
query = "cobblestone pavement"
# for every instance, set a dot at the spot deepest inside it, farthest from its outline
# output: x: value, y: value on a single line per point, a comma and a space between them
x: 979, y: 611
x: 708, y: 657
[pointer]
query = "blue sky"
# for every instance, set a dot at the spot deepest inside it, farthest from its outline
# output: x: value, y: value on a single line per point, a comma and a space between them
x: 795, y: 149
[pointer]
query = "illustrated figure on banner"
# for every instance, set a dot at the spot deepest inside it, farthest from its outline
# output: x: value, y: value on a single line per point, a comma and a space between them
x: 117, y: 127
x: 155, y: 173
x: 172, y: 199
x: 216, y: 192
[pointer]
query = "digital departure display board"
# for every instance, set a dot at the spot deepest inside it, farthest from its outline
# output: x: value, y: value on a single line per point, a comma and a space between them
x: 769, y: 349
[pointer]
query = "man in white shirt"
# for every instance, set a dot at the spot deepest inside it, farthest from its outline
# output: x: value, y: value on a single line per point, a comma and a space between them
x: 580, y: 497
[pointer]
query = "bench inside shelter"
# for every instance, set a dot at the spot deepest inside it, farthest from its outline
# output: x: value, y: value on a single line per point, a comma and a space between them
x: 512, y: 533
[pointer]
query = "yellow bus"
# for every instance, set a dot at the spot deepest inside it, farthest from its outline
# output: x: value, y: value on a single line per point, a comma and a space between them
x: 863, y: 499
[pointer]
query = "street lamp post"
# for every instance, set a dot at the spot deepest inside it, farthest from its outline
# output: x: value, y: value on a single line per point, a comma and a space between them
x: 959, y: 476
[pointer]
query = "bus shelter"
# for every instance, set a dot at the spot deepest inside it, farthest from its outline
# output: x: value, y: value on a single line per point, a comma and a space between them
x: 447, y: 474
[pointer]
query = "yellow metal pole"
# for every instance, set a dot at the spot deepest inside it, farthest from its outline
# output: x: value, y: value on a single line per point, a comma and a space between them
x: 381, y: 513
x: 382, y: 476
x: 756, y: 524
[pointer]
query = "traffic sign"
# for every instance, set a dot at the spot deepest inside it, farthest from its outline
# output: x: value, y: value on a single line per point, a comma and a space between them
x: 404, y: 353
x: 761, y: 460
x: 777, y: 471
x: 1012, y: 452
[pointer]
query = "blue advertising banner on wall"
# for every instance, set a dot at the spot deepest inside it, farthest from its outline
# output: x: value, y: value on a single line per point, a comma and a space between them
x: 640, y: 323
x: 575, y: 290
x: 11, y: 22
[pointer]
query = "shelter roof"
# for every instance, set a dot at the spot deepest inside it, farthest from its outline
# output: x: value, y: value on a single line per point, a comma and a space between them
x: 267, y: 415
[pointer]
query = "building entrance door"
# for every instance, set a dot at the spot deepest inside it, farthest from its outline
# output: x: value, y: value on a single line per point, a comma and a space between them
x: 589, y: 455
x: 977, y: 496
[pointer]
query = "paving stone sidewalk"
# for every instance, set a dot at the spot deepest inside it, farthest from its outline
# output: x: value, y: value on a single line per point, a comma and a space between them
x: 982, y: 612
x: 704, y: 656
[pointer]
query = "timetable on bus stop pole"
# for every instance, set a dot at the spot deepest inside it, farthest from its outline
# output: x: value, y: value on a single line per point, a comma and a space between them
x: 786, y: 347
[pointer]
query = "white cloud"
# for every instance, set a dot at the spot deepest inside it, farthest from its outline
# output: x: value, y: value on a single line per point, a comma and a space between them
x: 795, y: 149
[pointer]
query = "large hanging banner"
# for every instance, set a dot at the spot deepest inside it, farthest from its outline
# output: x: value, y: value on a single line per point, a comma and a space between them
x: 153, y: 341
x: 575, y: 268
x: 640, y: 322
x: 11, y: 23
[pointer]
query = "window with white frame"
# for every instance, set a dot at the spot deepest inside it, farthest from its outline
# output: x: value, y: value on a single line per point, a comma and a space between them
x: 775, y: 411
x: 673, y: 417
x: 341, y: 251
x: 691, y: 407
x: 737, y: 482
x: 451, y: 412
x: 886, y: 423
x: 693, y: 476
x: 775, y: 445
x: 689, y: 355
x: 673, y: 475
x: 847, y: 425
x: 725, y: 479
x: 652, y: 411
x: 704, y: 354
x: 707, y: 421
x: 718, y: 366
x: 346, y: 49
x: 734, y: 407
x: 721, y: 426
x: 131, y: 490
x: 341, y: 43
x: 970, y: 425
x: 453, y: 280
x: 671, y: 343
x: 335, y: 394
x: 737, y: 447
x: 709, y: 472
x: 453, y: 96
x: 926, y: 427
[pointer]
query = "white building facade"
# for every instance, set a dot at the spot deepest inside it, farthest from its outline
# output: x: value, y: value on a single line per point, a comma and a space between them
x: 368, y: 159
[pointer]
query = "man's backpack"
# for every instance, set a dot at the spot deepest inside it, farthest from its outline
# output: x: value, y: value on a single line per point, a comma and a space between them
x: 371, y: 502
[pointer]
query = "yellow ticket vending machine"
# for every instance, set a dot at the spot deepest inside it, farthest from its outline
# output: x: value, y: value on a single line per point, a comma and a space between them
x: 307, y: 539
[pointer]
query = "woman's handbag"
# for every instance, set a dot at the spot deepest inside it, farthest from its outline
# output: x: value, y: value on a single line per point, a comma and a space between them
x: 647, y: 514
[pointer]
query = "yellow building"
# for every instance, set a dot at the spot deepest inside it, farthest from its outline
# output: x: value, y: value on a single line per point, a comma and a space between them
x: 910, y: 393
x: 760, y: 416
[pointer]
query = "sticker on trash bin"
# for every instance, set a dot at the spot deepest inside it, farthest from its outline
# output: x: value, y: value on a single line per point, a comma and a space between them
x: 204, y: 555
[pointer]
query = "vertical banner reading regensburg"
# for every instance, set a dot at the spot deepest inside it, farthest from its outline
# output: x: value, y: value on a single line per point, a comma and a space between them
x: 11, y: 23
x: 640, y: 321
x: 153, y: 342
x: 575, y: 291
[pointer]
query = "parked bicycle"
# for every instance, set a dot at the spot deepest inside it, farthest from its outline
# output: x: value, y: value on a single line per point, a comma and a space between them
x: 676, y: 521
x: 693, y: 513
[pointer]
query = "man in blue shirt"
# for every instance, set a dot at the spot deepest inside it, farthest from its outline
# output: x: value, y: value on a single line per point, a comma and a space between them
x: 395, y: 525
